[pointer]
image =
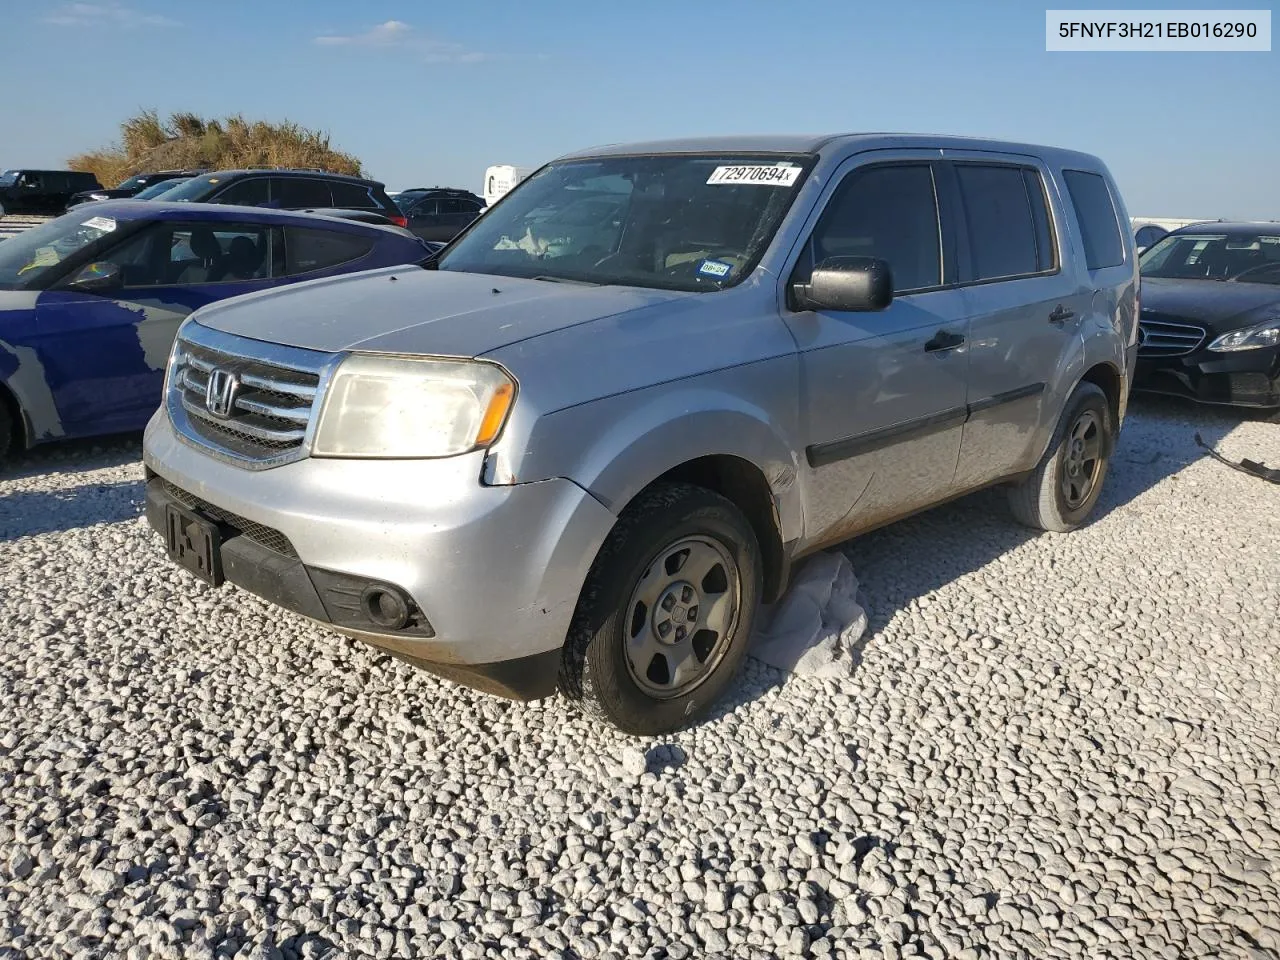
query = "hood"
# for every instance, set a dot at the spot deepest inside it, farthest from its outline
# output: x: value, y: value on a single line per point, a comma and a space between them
x: 411, y: 310
x: 1220, y: 305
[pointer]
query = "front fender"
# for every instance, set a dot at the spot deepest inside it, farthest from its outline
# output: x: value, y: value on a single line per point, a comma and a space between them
x: 616, y: 446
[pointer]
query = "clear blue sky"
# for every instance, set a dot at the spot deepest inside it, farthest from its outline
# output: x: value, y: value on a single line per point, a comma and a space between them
x: 430, y: 92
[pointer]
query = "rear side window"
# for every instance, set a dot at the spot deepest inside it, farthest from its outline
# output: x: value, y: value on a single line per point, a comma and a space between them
x: 307, y: 249
x: 251, y: 192
x: 296, y: 193
x: 1096, y: 213
x: 353, y: 196
x: 1008, y: 223
x: 889, y: 212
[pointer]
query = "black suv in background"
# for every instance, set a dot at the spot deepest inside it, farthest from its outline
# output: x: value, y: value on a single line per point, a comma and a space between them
x: 289, y: 190
x: 132, y: 186
x: 42, y: 191
x: 438, y: 213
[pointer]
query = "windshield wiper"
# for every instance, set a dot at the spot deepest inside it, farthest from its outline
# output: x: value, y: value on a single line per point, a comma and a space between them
x: 580, y: 283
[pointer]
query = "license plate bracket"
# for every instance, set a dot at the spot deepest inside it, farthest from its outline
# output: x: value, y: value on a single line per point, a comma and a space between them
x: 194, y: 544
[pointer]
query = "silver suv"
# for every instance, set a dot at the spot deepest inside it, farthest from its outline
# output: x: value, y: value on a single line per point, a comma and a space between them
x: 579, y: 448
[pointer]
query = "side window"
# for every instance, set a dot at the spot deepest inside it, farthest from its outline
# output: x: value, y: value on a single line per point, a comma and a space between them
x: 427, y: 208
x: 307, y: 249
x: 352, y: 196
x: 1001, y: 228
x: 185, y: 254
x: 296, y: 193
x: 250, y: 192
x: 1046, y: 250
x: 1096, y: 213
x: 889, y: 212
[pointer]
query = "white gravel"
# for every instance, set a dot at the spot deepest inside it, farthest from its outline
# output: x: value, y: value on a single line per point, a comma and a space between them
x: 1054, y: 746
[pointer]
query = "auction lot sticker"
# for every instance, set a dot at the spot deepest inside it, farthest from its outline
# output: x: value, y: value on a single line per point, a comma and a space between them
x: 772, y: 176
x: 1178, y: 31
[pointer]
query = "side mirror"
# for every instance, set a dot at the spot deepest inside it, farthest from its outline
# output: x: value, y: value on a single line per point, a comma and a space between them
x: 847, y: 283
x: 96, y: 276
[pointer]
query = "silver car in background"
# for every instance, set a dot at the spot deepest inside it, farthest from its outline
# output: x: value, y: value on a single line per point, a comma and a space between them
x: 579, y: 448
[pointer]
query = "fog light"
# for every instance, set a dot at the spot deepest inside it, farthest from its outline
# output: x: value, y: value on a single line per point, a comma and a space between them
x: 386, y: 606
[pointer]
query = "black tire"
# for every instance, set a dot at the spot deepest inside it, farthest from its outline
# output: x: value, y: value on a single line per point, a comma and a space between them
x: 596, y: 670
x: 1047, y: 499
x: 6, y: 429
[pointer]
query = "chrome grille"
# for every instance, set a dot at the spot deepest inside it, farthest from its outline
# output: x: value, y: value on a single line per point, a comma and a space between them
x: 1167, y: 338
x: 268, y: 417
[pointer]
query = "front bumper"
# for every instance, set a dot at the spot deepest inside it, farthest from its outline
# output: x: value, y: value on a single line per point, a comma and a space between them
x: 494, y: 572
x: 1245, y: 378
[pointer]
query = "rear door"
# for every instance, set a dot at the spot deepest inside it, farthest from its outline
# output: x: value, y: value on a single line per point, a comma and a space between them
x: 883, y: 393
x: 107, y: 349
x: 1024, y: 309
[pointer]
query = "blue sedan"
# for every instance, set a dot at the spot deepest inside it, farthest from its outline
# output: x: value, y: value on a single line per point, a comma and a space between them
x: 90, y: 302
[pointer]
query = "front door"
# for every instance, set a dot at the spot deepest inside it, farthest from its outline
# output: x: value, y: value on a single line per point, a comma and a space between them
x: 105, y: 351
x: 883, y: 393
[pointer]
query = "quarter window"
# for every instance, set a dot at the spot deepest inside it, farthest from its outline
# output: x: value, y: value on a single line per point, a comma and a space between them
x: 352, y: 196
x: 1002, y: 230
x: 307, y: 250
x: 1096, y: 214
x: 888, y: 212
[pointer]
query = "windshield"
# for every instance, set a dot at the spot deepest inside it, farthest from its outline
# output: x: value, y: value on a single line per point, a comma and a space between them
x: 33, y: 253
x: 132, y: 182
x: 196, y: 188
x: 672, y: 221
x: 8, y: 178
x: 1250, y: 258
x: 157, y: 189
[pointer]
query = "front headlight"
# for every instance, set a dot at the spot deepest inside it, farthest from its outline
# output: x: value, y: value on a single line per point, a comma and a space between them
x: 400, y: 407
x: 1265, y: 334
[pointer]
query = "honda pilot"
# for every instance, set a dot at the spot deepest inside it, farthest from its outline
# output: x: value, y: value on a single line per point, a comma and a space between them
x: 603, y: 425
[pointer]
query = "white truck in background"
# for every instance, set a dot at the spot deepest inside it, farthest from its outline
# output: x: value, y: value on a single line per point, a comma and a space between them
x: 501, y: 178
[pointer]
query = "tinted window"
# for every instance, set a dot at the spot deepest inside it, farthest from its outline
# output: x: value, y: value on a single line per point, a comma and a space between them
x: 352, y: 196
x: 1046, y: 252
x: 1002, y: 233
x: 307, y: 249
x: 186, y: 254
x: 427, y: 208
x: 1149, y: 235
x: 888, y: 212
x: 250, y: 192
x: 295, y: 193
x: 1099, y: 226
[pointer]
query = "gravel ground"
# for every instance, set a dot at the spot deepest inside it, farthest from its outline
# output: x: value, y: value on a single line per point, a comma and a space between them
x: 1051, y: 747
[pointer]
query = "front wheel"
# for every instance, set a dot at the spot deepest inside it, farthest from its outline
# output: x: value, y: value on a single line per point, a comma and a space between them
x: 1066, y: 484
x: 665, y: 615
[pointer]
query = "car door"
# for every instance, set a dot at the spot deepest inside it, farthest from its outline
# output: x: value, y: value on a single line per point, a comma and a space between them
x: 1023, y: 308
x: 28, y: 194
x: 107, y: 348
x: 427, y: 221
x: 883, y: 393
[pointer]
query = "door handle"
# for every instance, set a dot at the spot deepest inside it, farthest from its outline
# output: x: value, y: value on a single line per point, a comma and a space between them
x: 1061, y: 314
x: 943, y: 340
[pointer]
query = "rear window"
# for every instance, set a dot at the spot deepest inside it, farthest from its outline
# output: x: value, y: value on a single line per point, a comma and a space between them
x: 1005, y: 228
x: 353, y: 196
x: 1096, y: 213
x: 308, y: 249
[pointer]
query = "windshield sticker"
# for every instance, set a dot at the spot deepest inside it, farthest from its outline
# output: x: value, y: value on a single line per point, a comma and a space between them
x: 776, y: 176
x: 100, y: 223
x: 714, y: 268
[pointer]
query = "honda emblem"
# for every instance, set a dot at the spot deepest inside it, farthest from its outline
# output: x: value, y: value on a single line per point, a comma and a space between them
x: 220, y: 392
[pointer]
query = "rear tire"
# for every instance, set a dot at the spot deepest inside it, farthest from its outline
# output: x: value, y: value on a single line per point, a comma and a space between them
x: 1066, y: 484
x: 665, y: 616
x: 6, y: 429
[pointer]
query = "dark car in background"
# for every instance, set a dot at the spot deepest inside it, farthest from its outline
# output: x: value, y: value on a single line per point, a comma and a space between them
x: 289, y: 190
x: 42, y: 191
x: 159, y: 188
x: 438, y: 213
x: 132, y: 186
x: 1210, y: 322
x: 90, y: 302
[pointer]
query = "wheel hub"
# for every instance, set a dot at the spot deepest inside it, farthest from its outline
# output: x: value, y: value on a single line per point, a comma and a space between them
x: 676, y: 613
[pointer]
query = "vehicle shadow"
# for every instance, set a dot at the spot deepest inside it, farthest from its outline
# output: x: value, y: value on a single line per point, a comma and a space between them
x: 30, y: 513
x: 72, y: 456
x: 904, y: 561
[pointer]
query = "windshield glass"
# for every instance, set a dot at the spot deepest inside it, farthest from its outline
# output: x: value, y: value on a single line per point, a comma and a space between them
x: 1250, y: 258
x: 132, y: 182
x: 672, y: 221
x: 33, y: 253
x: 8, y: 178
x: 156, y: 189
x: 196, y: 188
